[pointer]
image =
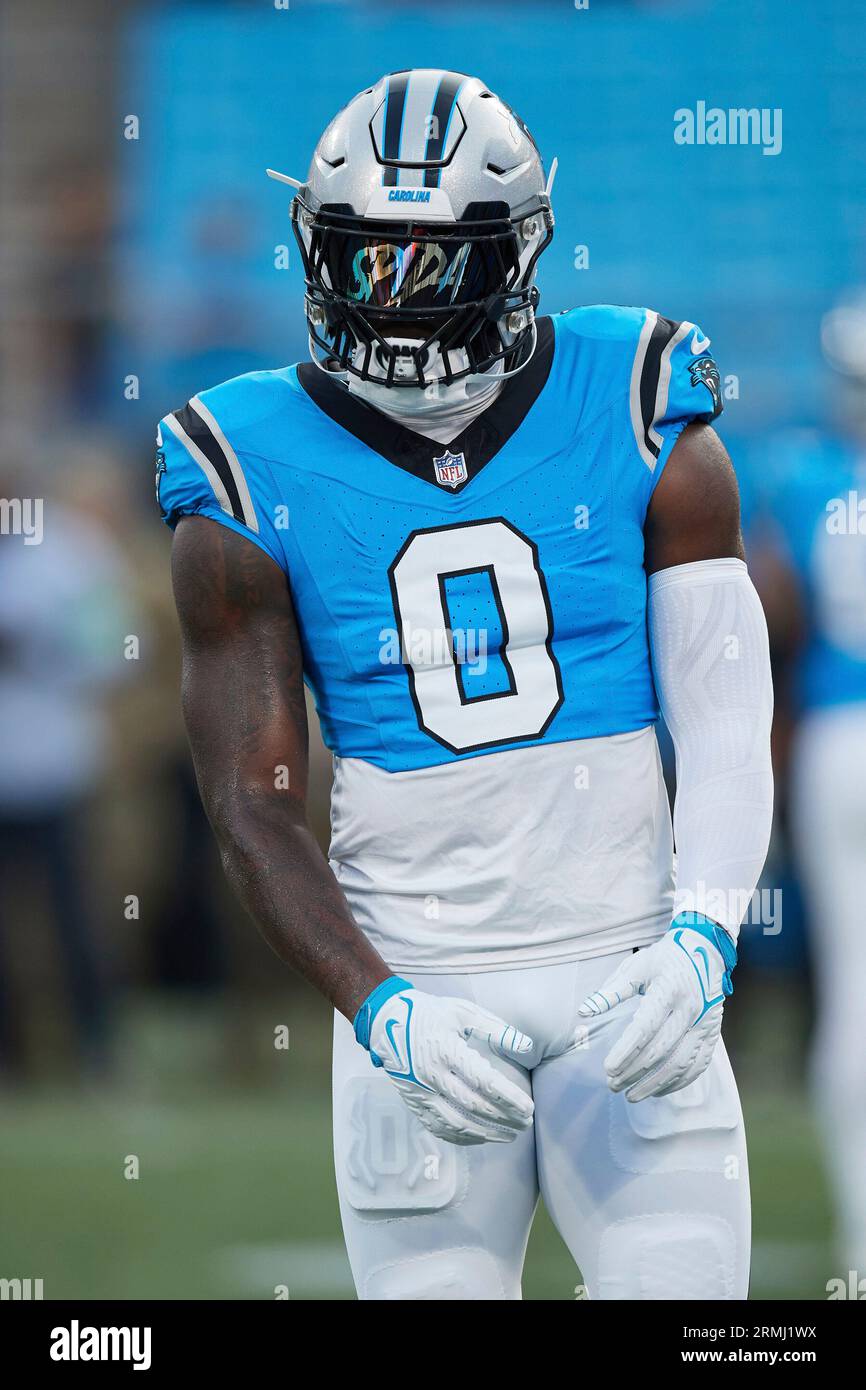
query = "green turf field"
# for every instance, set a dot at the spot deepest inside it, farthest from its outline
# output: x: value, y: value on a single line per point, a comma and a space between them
x: 235, y: 1190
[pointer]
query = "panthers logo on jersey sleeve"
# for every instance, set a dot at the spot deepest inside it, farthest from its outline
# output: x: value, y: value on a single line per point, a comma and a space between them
x: 670, y: 360
x: 704, y: 372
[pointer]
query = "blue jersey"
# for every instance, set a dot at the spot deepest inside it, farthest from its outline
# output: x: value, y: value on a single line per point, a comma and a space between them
x: 461, y: 600
x: 814, y: 491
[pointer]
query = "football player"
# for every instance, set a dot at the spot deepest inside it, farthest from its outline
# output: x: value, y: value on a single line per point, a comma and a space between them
x: 494, y: 545
x: 812, y: 556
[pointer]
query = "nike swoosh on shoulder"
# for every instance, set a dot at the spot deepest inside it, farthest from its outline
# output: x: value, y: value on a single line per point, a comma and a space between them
x: 699, y: 344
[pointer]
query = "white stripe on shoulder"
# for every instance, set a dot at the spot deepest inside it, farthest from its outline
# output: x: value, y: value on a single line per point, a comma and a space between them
x: 237, y: 472
x: 637, y: 425
x: 664, y: 385
x: 204, y: 463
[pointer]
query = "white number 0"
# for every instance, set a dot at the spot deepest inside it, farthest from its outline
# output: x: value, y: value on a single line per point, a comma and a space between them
x: 445, y: 712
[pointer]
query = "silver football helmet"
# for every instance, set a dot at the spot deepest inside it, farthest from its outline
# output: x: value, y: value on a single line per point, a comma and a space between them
x: 420, y: 225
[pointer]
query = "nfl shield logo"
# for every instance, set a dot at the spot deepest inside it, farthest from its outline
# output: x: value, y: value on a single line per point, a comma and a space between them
x: 451, y: 470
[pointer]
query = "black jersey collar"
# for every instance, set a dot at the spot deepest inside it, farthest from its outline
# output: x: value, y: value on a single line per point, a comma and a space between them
x: 478, y: 443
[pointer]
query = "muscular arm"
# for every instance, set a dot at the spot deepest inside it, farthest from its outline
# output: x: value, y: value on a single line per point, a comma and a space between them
x: 694, y: 513
x: 243, y: 702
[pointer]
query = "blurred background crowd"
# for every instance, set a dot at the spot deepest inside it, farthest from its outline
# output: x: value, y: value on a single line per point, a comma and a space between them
x: 143, y: 257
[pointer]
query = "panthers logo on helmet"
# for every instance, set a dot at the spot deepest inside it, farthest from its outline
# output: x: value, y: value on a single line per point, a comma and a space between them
x: 704, y: 372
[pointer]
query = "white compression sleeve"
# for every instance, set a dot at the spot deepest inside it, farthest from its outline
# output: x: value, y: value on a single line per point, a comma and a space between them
x: 711, y: 663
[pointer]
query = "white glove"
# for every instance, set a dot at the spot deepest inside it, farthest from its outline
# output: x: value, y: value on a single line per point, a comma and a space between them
x: 422, y: 1042
x: 670, y: 1040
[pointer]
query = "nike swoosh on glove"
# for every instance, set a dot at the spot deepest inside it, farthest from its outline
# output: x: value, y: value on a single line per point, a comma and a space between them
x: 684, y: 979
x: 423, y: 1044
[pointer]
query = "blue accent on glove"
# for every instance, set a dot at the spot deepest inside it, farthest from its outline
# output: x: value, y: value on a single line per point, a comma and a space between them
x: 705, y: 926
x: 363, y: 1020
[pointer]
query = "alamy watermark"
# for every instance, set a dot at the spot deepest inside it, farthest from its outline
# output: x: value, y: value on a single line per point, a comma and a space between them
x: 431, y: 647
x: 846, y: 516
x: 22, y: 516
x: 86, y: 1343
x: 21, y: 1290
x: 738, y: 125
x: 760, y: 908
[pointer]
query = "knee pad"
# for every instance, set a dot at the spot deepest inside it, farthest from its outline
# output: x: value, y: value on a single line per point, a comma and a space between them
x: 387, y: 1163
x: 443, y: 1276
x: 669, y: 1256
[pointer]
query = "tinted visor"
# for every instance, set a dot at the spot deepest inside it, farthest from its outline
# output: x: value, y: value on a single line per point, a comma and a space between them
x: 426, y: 271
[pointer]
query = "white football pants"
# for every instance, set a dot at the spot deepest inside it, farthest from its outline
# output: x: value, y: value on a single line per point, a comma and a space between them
x: 651, y: 1199
x: 829, y: 822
